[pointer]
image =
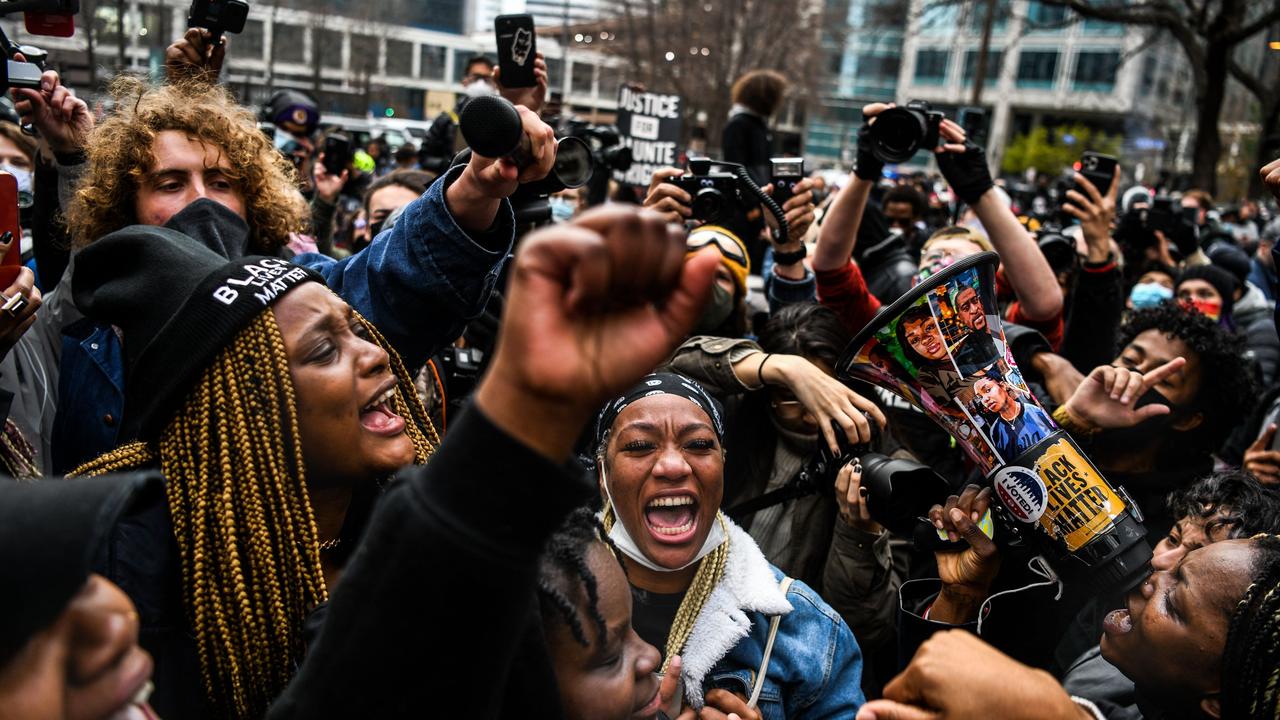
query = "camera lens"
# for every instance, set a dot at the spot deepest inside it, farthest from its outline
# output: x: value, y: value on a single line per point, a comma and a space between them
x: 708, y: 204
x: 573, y: 162
x: 897, y: 133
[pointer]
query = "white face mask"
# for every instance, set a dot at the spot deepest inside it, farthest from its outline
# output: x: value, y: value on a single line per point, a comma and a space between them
x: 479, y: 88
x: 624, y: 542
x: 23, y: 176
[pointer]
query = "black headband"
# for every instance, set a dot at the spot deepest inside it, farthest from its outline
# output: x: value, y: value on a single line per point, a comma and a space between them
x: 662, y: 384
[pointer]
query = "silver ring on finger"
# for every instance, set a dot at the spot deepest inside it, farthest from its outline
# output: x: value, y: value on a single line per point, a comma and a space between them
x: 14, y: 305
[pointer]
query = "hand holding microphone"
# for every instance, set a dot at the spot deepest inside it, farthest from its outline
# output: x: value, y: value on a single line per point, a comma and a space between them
x: 509, y: 144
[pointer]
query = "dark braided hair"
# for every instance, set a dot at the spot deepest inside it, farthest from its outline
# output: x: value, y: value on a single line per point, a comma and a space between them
x: 1227, y: 391
x: 563, y: 567
x: 1251, y: 658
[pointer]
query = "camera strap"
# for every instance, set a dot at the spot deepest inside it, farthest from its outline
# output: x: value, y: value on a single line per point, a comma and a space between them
x: 797, y: 487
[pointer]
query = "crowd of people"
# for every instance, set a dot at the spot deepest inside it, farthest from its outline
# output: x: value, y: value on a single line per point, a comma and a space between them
x: 292, y: 443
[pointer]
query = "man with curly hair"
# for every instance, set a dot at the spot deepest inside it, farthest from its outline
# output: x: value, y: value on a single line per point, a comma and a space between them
x: 1175, y: 422
x: 186, y: 156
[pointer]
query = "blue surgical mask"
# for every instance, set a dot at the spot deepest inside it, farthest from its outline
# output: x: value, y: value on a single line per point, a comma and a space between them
x: 561, y: 208
x: 1148, y: 295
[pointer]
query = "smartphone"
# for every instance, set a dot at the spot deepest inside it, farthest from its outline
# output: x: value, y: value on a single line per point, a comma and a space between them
x: 787, y: 171
x: 337, y: 153
x: 12, y: 261
x: 973, y: 120
x: 517, y: 48
x: 1098, y: 169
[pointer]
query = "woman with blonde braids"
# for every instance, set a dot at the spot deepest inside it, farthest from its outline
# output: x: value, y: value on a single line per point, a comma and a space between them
x: 275, y: 412
x: 753, y: 642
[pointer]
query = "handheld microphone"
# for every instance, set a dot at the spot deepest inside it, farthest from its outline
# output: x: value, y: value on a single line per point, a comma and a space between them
x: 492, y: 128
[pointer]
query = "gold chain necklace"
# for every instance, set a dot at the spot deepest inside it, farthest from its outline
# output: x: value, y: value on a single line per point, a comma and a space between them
x: 710, y: 573
x: 330, y: 544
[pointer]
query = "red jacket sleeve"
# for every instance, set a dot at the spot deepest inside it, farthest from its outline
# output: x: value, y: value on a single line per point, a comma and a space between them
x: 845, y: 291
x: 1053, y: 329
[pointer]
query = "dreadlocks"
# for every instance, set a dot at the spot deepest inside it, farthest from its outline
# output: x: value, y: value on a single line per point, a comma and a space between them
x: 1251, y: 658
x: 564, y: 566
x: 237, y: 495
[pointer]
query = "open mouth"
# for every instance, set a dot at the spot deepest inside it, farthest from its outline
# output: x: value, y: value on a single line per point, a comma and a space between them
x: 1119, y: 622
x: 672, y: 519
x: 379, y: 417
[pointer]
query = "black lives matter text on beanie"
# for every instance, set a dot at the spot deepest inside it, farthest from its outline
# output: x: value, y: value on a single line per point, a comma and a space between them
x: 178, y: 304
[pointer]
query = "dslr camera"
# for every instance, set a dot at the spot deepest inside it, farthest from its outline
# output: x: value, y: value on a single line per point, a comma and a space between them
x: 717, y: 192
x: 900, y: 132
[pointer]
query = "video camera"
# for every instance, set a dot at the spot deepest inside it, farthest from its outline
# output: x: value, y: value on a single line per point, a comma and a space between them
x: 607, y: 153
x: 900, y: 132
x: 1135, y: 231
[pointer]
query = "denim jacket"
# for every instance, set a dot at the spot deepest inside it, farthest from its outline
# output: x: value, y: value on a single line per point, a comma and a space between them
x: 815, y: 670
x: 418, y: 282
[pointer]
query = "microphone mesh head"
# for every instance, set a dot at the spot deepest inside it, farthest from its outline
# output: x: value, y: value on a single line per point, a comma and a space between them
x: 491, y: 126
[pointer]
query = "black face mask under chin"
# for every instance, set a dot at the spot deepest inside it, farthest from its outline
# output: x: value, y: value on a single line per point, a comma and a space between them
x: 1143, y: 435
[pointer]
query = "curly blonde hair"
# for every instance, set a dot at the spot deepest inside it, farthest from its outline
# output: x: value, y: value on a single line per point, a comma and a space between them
x: 120, y: 152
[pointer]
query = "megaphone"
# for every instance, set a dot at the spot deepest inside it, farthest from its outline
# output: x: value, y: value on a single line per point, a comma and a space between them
x: 941, y: 347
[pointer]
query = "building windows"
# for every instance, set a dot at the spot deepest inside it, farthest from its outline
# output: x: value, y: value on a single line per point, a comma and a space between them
x: 881, y: 65
x: 1096, y: 70
x: 250, y: 43
x: 1037, y: 68
x: 994, y: 60
x: 978, y: 14
x: 288, y: 43
x: 433, y: 60
x: 399, y: 58
x: 580, y: 82
x: 1046, y: 18
x: 931, y: 67
x: 330, y: 49
x: 364, y: 55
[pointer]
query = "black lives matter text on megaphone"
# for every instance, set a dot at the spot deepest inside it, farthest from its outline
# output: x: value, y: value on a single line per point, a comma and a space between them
x: 941, y: 347
x: 492, y: 128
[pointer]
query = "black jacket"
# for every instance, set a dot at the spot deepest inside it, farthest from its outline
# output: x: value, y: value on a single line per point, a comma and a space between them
x: 746, y: 140
x: 1094, y: 311
x: 437, y: 612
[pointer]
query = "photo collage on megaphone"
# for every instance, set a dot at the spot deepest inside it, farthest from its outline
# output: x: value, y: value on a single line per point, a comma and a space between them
x: 947, y: 354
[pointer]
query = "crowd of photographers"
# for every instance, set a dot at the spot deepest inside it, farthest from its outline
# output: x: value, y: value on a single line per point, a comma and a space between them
x: 355, y: 431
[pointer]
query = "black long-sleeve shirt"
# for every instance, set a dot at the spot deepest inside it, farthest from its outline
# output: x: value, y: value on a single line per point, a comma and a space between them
x: 437, y: 615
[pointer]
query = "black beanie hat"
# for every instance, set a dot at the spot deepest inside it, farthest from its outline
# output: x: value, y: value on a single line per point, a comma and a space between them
x: 1221, y: 280
x: 50, y: 533
x: 179, y: 304
x: 1229, y: 257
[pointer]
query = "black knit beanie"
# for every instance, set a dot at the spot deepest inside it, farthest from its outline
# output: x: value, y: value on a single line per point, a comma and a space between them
x: 178, y: 304
x: 50, y: 533
x: 1221, y: 280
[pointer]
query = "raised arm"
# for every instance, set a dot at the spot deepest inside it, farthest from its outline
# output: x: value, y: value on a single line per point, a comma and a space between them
x: 840, y: 226
x: 964, y: 165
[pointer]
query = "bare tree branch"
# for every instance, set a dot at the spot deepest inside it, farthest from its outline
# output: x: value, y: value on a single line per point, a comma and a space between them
x: 1264, y: 21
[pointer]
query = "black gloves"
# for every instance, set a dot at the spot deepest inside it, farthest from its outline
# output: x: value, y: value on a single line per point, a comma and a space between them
x: 966, y: 172
x: 867, y: 166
